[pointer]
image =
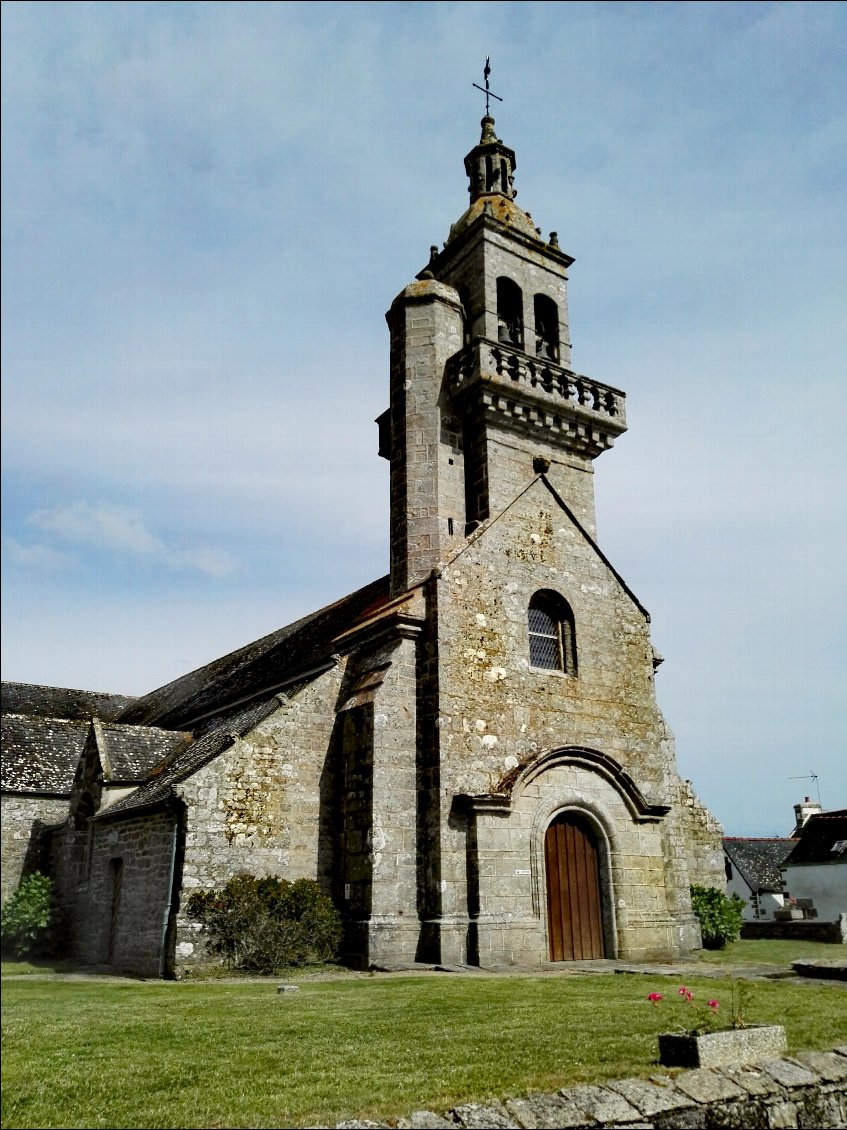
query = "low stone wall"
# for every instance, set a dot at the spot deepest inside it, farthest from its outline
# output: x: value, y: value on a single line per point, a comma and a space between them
x: 805, y: 930
x: 809, y: 1089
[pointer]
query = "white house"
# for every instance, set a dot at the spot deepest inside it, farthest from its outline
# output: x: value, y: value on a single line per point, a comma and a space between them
x: 816, y: 870
x: 753, y: 872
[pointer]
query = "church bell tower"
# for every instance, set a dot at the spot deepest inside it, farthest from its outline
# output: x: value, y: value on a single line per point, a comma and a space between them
x: 483, y: 395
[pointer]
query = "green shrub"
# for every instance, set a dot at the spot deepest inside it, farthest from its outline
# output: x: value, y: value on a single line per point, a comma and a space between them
x: 263, y: 925
x: 27, y: 917
x: 720, y: 916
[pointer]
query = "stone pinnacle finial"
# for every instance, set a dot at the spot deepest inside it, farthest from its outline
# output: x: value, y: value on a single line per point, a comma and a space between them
x: 488, y: 137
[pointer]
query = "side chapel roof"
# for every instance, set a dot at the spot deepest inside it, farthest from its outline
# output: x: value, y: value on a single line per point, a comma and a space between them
x: 133, y: 751
x: 160, y: 781
x: 45, y: 728
x: 227, y: 698
x: 61, y: 702
x: 40, y: 755
x: 758, y: 860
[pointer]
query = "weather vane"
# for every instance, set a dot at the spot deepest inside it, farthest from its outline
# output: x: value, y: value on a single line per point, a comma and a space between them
x: 485, y: 89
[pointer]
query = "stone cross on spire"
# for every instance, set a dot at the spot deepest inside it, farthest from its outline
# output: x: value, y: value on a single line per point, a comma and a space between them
x: 485, y: 89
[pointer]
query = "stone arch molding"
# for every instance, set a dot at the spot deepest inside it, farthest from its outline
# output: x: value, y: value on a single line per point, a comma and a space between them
x: 602, y: 764
x: 564, y: 798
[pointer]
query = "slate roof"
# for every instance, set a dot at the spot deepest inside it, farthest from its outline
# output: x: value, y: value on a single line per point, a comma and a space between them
x: 40, y: 755
x: 257, y: 670
x: 146, y: 739
x: 818, y: 836
x: 159, y: 786
x: 61, y: 702
x: 758, y: 860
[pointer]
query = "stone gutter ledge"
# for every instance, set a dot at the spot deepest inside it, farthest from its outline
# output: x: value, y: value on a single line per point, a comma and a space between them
x: 809, y: 1089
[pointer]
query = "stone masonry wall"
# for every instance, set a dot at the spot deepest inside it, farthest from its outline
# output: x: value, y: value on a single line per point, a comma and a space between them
x: 474, y: 274
x: 704, y: 836
x: 144, y: 846
x: 259, y: 806
x: 809, y: 1089
x: 496, y: 711
x: 373, y: 824
x: 393, y: 844
x: 24, y: 819
x: 426, y: 481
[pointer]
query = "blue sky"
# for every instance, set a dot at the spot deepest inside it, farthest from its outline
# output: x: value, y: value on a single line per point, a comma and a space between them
x: 207, y: 209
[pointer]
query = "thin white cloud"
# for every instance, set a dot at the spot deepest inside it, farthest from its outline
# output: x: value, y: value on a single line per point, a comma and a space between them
x: 42, y: 558
x: 104, y: 526
x: 122, y: 530
x: 212, y: 562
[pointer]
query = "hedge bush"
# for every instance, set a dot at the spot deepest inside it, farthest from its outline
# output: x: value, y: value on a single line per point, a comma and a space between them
x: 26, y: 920
x: 720, y: 916
x: 263, y: 925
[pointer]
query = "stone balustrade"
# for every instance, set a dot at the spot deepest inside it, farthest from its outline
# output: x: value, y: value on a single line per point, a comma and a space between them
x: 484, y: 359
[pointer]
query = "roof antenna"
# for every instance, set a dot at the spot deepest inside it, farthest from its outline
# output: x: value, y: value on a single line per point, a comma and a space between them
x: 810, y: 777
x: 485, y: 89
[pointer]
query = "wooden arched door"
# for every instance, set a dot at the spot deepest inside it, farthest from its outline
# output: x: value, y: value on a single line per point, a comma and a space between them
x: 574, y: 905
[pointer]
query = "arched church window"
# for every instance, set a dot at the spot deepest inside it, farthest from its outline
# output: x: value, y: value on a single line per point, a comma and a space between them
x: 552, y: 636
x: 509, y: 312
x: 546, y: 327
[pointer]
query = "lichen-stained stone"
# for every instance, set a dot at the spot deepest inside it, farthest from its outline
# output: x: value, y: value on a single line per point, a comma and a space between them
x: 740, y: 1115
x: 817, y: 1108
x: 782, y: 1115
x: 752, y: 1080
x: 23, y: 834
x: 829, y: 1066
x: 600, y: 1104
x: 546, y: 1112
x: 427, y: 1120
x: 706, y: 1086
x: 789, y: 1074
x: 692, y: 1118
x: 484, y: 1116
x: 650, y: 1099
x: 361, y: 1124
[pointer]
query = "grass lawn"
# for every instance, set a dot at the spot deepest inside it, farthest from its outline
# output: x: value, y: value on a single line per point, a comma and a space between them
x: 767, y: 951
x: 219, y: 1054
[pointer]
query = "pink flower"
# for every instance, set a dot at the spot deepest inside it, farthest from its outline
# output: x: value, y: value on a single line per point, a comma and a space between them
x: 654, y: 998
x: 713, y: 1005
x: 684, y: 992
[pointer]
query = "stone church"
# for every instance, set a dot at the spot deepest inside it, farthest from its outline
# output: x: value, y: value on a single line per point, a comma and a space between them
x: 467, y: 753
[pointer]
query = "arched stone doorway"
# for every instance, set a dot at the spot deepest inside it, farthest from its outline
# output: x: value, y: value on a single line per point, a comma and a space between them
x: 574, y: 897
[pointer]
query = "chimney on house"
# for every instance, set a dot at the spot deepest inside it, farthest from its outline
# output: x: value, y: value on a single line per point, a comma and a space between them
x: 802, y: 812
